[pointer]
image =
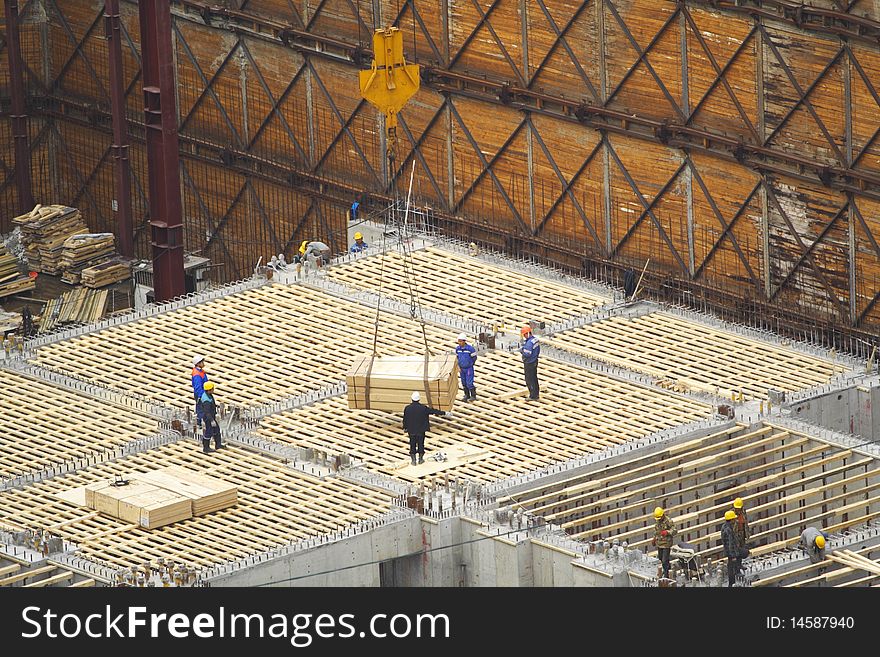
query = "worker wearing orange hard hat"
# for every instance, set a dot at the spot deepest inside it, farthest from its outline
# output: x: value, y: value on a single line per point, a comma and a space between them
x: 530, y: 351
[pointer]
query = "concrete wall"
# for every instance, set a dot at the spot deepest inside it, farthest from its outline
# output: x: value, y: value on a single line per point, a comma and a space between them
x: 854, y: 410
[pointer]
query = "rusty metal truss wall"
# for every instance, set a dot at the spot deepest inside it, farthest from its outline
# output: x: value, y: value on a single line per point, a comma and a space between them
x: 735, y: 144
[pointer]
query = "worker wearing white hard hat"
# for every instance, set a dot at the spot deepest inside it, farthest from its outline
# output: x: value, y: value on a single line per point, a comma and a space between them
x: 199, y: 379
x: 467, y: 356
x: 416, y: 423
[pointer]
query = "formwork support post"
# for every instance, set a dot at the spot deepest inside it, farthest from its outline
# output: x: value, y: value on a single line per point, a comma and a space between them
x: 119, y: 147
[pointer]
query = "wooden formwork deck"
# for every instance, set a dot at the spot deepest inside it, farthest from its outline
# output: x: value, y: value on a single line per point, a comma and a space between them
x: 468, y: 287
x: 696, y: 356
x: 786, y: 479
x: 580, y: 411
x: 275, y: 505
x: 830, y: 572
x: 42, y: 425
x: 262, y: 345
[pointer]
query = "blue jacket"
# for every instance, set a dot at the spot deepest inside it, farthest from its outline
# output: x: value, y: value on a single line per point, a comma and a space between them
x: 209, y: 408
x: 199, y: 379
x: 467, y: 356
x: 357, y: 248
x: 530, y: 350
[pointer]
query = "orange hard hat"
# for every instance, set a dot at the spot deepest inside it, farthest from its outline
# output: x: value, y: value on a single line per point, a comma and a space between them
x: 526, y: 329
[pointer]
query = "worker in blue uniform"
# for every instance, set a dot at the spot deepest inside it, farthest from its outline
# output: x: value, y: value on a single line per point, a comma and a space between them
x: 467, y: 356
x: 199, y: 378
x: 530, y: 351
x: 359, y: 244
x: 212, y: 425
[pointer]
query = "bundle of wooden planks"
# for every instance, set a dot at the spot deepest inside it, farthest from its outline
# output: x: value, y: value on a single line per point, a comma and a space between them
x: 138, y: 502
x: 208, y: 494
x: 387, y: 382
x: 83, y: 251
x: 106, y: 273
x: 80, y: 305
x: 43, y: 233
x: 160, y: 497
x: 12, y: 281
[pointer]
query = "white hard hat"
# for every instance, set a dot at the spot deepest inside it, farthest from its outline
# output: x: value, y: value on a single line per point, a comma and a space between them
x: 197, y: 360
x: 462, y: 336
x: 416, y: 396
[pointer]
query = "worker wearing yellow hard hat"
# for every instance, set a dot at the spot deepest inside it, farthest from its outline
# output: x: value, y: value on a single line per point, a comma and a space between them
x: 212, y: 423
x: 732, y: 548
x: 813, y: 542
x: 664, y: 530
x: 741, y: 526
x: 359, y: 244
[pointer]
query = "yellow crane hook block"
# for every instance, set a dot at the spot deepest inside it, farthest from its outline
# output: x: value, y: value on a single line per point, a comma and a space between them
x: 390, y: 82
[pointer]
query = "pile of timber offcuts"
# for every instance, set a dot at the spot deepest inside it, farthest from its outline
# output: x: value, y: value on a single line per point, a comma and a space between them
x: 83, y: 251
x: 12, y: 281
x: 106, y: 273
x: 390, y: 382
x: 43, y: 232
x: 80, y: 305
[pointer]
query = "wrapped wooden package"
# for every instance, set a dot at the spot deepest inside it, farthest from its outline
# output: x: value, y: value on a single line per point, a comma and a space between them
x: 390, y: 382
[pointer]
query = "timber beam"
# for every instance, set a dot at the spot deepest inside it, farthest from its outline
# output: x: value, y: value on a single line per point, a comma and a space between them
x: 830, y: 22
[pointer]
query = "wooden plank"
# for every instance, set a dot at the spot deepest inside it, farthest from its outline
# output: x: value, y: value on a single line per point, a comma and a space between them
x: 51, y: 581
x: 20, y: 577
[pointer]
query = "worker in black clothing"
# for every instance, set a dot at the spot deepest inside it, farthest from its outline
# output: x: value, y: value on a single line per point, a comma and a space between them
x: 212, y: 425
x: 416, y: 422
x: 732, y: 547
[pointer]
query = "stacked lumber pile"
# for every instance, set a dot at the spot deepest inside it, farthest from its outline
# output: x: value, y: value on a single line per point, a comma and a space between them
x: 43, y: 233
x: 83, y: 251
x: 106, y: 273
x: 12, y: 281
x: 160, y: 497
x: 80, y: 305
x: 138, y: 502
x: 207, y: 494
x: 389, y: 384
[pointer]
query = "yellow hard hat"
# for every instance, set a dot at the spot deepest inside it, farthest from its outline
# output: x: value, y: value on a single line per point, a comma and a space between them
x: 209, y: 385
x: 302, y: 247
x: 738, y: 503
x: 730, y: 515
x: 820, y: 542
x: 358, y: 236
x: 658, y: 512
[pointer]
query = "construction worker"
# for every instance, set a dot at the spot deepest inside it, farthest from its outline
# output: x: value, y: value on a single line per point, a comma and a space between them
x: 664, y: 530
x: 813, y: 541
x: 199, y: 379
x: 212, y: 426
x: 741, y: 527
x: 416, y: 422
x: 313, y: 253
x: 359, y: 244
x: 467, y: 356
x: 353, y: 213
x: 530, y: 351
x: 732, y: 547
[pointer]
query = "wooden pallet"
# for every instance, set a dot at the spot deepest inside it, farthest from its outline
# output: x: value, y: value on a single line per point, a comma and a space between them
x: 580, y: 411
x: 469, y: 287
x: 264, y: 345
x: 692, y: 356
x: 44, y: 425
x: 275, y: 505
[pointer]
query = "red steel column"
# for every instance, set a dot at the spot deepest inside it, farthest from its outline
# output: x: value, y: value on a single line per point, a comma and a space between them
x: 18, y: 115
x: 119, y: 148
x: 160, y: 119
